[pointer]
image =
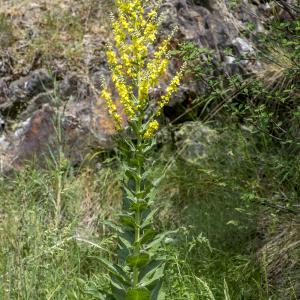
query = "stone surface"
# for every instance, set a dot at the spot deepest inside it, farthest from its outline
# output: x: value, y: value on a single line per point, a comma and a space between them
x: 16, y: 95
x: 31, y: 97
x: 37, y: 136
x: 243, y: 47
x: 192, y: 140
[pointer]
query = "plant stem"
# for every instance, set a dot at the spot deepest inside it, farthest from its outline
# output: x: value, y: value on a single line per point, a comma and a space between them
x: 137, y: 234
x: 59, y: 175
x: 136, y: 247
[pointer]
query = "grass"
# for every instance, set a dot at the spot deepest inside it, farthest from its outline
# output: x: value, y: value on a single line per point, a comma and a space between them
x: 212, y: 205
x: 63, y: 33
x: 39, y: 261
x: 6, y: 31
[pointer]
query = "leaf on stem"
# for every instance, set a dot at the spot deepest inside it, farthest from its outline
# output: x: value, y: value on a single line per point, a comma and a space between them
x: 138, y: 260
x: 138, y: 294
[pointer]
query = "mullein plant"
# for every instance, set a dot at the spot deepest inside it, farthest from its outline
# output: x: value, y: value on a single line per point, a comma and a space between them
x: 138, y: 270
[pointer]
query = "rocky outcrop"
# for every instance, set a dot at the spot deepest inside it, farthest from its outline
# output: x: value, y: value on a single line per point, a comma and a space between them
x: 31, y: 100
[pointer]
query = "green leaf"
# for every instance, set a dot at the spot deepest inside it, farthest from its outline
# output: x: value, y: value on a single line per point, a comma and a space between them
x: 150, y: 146
x: 139, y: 206
x: 159, y: 239
x: 114, y: 269
x: 137, y: 160
x: 129, y: 192
x: 125, y: 243
x: 148, y: 236
x: 157, y: 276
x: 141, y: 195
x: 118, y: 284
x: 125, y: 145
x: 149, y: 217
x: 158, y: 292
x: 226, y: 291
x: 113, y: 226
x: 138, y: 260
x: 127, y: 221
x: 151, y: 194
x: 132, y: 173
x: 119, y: 294
x: 152, y: 273
x: 138, y: 294
x: 127, y: 235
x: 123, y: 252
x: 98, y: 293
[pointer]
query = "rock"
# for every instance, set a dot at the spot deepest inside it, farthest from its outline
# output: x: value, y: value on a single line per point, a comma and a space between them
x: 3, y: 90
x: 201, y: 22
x: 36, y: 137
x: 242, y: 46
x: 213, y: 26
x: 22, y: 90
x: 229, y: 59
x: 37, y: 103
x: 72, y: 86
x: 2, y: 124
x: 32, y: 129
x: 192, y: 140
x: 29, y: 103
x: 5, y: 65
x: 34, y: 83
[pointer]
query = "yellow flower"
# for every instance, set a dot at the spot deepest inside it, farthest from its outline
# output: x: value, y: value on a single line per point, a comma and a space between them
x: 111, y: 57
x: 152, y: 127
x: 171, y: 89
x: 112, y: 108
x: 135, y: 73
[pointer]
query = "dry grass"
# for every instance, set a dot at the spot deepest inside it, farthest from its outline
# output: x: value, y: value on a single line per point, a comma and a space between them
x: 274, y: 71
x: 58, y: 34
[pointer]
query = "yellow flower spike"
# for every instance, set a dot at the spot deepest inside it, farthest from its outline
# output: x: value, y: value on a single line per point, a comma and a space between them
x: 143, y: 91
x: 172, y: 88
x: 152, y: 14
x: 156, y: 68
x: 152, y: 127
x: 111, y: 57
x: 124, y: 22
x: 112, y: 108
x: 134, y: 72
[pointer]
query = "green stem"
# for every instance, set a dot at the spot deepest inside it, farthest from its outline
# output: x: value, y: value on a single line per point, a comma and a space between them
x: 59, y: 174
x: 137, y: 248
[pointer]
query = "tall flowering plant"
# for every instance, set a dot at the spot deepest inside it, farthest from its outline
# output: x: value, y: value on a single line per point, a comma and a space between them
x: 135, y: 71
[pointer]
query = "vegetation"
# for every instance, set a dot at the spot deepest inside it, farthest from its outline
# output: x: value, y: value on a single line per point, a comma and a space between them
x: 139, y: 268
x: 228, y: 195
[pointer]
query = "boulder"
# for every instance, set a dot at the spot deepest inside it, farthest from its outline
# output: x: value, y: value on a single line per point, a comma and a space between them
x: 192, y: 140
x: 48, y: 130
